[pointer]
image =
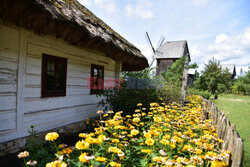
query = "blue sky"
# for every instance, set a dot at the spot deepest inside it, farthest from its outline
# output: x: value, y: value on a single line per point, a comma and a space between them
x: 213, y: 28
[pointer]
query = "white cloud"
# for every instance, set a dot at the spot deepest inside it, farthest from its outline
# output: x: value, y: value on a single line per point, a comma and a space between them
x: 84, y: 2
x: 232, y: 49
x: 107, y: 5
x: 195, y: 52
x: 142, y: 10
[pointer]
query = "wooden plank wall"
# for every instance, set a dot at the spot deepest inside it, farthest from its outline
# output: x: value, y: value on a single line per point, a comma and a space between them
x: 46, y: 113
x: 9, y: 44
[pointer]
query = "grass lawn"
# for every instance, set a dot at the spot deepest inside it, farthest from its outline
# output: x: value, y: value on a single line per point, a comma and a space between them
x: 237, y: 109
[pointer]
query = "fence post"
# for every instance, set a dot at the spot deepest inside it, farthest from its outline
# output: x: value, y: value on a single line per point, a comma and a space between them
x: 184, y: 81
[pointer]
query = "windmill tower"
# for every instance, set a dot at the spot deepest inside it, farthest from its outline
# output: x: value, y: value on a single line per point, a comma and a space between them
x: 152, y: 47
x: 168, y: 53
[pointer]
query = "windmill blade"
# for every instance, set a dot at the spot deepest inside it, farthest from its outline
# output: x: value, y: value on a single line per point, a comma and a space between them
x: 160, y: 41
x: 149, y: 41
x: 163, y: 39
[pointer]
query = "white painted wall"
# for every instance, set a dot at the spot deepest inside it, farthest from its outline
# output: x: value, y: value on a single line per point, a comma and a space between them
x: 21, y: 104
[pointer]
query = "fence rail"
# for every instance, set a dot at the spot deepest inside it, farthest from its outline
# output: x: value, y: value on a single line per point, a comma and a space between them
x: 227, y: 132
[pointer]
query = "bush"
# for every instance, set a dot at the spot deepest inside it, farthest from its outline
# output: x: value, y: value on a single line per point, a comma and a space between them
x: 128, y: 96
x: 204, y: 94
x: 170, y: 92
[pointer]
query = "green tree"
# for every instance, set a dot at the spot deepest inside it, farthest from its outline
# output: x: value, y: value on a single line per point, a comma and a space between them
x: 174, y: 73
x: 214, y: 79
x: 242, y: 84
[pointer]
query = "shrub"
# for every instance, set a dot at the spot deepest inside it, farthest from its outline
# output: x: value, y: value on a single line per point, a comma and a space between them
x: 128, y: 96
x: 204, y: 94
x: 170, y: 92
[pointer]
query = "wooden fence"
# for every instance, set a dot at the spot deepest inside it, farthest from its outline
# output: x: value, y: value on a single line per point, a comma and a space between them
x: 227, y: 132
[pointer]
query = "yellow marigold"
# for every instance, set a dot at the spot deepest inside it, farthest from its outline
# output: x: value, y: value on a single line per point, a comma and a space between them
x: 146, y: 151
x: 172, y: 144
x: 218, y: 164
x: 150, y: 142
x: 90, y: 140
x: 62, y: 146
x: 115, y: 150
x: 136, y: 120
x: 101, y: 159
x: 56, y: 163
x: 152, y: 104
x: 147, y: 135
x: 187, y: 147
x: 98, y: 141
x: 134, y: 132
x: 164, y: 141
x: 157, y: 119
x: 82, y: 157
x: 139, y: 104
x: 159, y: 159
x: 67, y: 150
x: 81, y: 145
x: 115, y: 140
x: 197, y: 151
x: 82, y: 135
x: 99, y: 112
x: 166, y: 136
x: 137, y: 110
x: 115, y: 164
x: 23, y: 154
x: 51, y: 136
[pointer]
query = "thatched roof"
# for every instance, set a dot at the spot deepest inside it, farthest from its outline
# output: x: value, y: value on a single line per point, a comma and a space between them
x: 172, y: 50
x: 71, y: 21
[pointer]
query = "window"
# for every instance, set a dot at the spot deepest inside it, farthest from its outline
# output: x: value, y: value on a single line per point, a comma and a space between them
x: 54, y: 71
x: 97, y: 76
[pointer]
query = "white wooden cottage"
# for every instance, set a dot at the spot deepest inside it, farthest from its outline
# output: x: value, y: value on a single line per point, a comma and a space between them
x: 48, y: 49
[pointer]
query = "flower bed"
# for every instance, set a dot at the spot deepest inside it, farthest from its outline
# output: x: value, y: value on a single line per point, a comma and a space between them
x: 164, y: 135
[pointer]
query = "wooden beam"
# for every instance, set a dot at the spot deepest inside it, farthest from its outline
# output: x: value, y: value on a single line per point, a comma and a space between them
x: 184, y: 81
x: 21, y: 78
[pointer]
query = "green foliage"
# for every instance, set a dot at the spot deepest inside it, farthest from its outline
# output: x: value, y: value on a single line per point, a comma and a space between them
x: 170, y: 92
x: 126, y: 99
x: 39, y: 150
x: 174, y: 73
x: 242, y: 85
x: 214, y: 79
x: 194, y: 65
x: 193, y: 91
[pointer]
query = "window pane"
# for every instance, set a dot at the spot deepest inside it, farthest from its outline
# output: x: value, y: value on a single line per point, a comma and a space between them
x: 95, y: 72
x: 100, y: 73
x: 60, y: 77
x: 50, y: 75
